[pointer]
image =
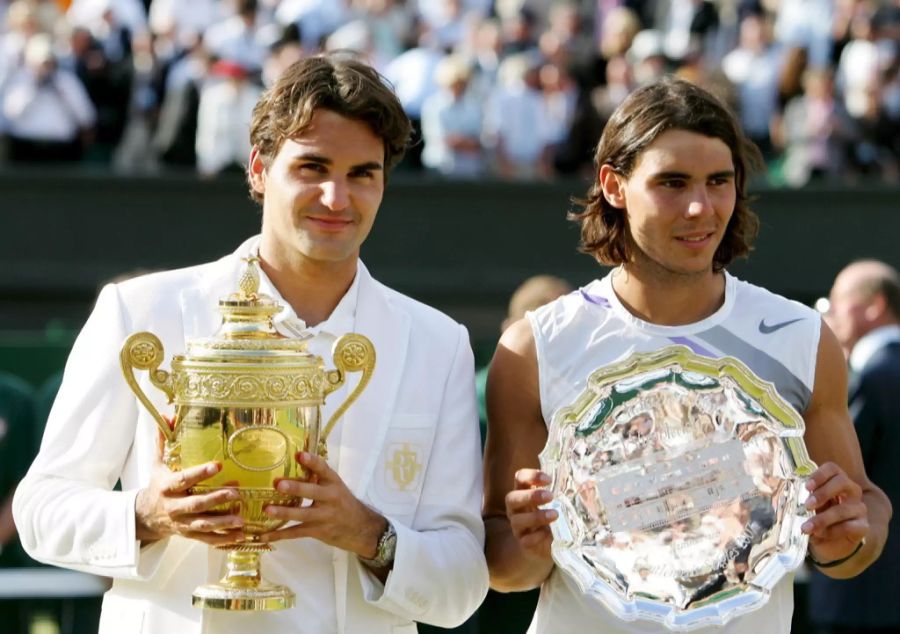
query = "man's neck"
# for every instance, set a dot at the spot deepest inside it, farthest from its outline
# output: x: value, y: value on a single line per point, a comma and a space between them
x: 666, y: 298
x: 313, y: 289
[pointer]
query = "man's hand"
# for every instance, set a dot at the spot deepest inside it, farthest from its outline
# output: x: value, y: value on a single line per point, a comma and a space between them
x: 335, y: 516
x: 531, y: 525
x: 841, y: 517
x: 166, y: 508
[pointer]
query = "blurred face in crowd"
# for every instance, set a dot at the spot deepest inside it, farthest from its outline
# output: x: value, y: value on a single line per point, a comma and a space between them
x: 855, y: 308
x: 678, y: 201
x: 321, y: 192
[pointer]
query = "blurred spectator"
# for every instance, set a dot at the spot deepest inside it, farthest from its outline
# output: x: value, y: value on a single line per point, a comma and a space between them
x: 108, y: 84
x: 560, y: 97
x: 174, y: 139
x: 133, y: 153
x: 484, y: 55
x: 790, y: 80
x: 412, y: 74
x: 223, y: 118
x: 814, y: 131
x: 184, y: 20
x: 687, y: 25
x: 576, y: 152
x: 875, y: 147
x: 46, y: 109
x: 452, y: 122
x: 518, y: 32
x: 516, y: 120
x: 865, y: 316
x: 754, y: 68
x: 240, y: 38
x: 20, y: 24
x: 389, y: 23
x: 284, y: 52
x: 131, y: 14
x: 647, y: 57
x: 315, y: 19
x: 111, y: 22
x: 449, y: 25
x: 807, y: 24
x: 862, y: 63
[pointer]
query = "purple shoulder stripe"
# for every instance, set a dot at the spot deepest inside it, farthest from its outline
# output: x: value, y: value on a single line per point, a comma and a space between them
x: 597, y: 300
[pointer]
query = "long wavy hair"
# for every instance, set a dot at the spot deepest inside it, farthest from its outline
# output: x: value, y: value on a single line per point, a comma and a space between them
x: 669, y: 104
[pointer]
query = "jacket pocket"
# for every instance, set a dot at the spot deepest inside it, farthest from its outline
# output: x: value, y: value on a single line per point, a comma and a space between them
x: 400, y: 471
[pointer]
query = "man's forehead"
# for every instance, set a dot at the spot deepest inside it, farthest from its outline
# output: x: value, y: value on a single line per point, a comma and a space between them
x: 324, y: 147
x: 685, y: 147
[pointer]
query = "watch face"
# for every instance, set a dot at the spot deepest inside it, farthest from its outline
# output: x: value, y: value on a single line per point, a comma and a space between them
x: 386, y: 554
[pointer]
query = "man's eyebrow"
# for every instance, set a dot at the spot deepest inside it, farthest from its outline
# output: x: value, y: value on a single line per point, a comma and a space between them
x: 312, y: 157
x: 685, y: 176
x: 372, y: 166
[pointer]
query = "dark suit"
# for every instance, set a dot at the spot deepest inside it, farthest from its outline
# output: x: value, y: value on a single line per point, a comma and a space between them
x: 871, y: 600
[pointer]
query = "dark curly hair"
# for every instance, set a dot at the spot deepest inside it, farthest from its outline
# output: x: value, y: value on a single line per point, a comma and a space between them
x: 336, y: 82
x: 669, y: 104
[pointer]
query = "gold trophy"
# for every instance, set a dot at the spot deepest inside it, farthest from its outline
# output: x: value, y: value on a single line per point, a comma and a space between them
x: 250, y: 399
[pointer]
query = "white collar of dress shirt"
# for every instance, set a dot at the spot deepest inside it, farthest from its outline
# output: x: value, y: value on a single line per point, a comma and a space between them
x: 341, y: 320
x: 871, y: 343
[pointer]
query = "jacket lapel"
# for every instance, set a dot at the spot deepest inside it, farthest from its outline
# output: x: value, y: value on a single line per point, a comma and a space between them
x: 367, y: 420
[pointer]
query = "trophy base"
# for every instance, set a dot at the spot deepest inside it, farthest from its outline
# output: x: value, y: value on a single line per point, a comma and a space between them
x: 266, y: 597
x: 242, y: 588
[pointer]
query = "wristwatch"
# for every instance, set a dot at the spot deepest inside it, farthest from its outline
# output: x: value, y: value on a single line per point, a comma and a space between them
x: 384, y: 552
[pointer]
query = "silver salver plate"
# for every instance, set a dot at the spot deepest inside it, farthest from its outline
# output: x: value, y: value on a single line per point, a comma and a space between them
x: 679, y: 482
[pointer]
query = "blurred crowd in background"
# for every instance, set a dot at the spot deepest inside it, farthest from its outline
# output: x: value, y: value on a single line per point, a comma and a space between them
x: 516, y: 89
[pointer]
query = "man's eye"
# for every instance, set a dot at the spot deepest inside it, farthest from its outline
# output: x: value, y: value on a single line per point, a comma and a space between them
x: 673, y: 184
x: 312, y: 167
x: 362, y: 174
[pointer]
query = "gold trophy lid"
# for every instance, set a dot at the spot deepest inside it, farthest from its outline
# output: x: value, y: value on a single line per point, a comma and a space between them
x: 247, y: 329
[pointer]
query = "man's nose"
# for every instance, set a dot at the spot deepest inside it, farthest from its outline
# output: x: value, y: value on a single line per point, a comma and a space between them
x: 335, y: 195
x: 700, y: 202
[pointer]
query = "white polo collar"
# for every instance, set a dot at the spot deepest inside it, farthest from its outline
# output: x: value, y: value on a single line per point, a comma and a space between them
x: 341, y: 320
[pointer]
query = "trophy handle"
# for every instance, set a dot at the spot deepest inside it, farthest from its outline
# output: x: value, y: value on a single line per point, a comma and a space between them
x: 144, y: 351
x: 351, y: 353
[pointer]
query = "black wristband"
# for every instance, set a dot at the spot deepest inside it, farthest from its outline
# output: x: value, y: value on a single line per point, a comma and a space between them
x: 836, y: 562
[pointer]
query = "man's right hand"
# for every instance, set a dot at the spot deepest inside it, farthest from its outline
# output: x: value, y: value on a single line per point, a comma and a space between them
x: 164, y: 507
x: 529, y: 523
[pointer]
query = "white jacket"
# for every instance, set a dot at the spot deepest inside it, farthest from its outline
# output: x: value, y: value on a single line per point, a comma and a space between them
x: 421, y: 396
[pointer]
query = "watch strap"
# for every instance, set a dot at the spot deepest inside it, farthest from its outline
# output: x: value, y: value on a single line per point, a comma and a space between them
x: 384, y: 551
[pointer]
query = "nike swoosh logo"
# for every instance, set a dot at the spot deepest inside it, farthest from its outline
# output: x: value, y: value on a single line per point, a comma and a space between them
x: 766, y: 329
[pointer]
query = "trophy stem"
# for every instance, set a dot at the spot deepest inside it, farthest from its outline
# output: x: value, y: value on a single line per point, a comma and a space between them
x: 242, y: 587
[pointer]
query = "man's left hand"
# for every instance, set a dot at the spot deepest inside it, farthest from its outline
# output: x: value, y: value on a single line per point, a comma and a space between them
x: 335, y: 517
x: 841, y: 517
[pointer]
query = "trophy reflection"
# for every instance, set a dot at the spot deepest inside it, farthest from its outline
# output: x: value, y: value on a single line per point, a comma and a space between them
x: 250, y: 399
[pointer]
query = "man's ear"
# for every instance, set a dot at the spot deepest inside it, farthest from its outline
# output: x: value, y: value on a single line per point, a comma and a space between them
x: 256, y: 171
x: 876, y: 308
x: 613, y: 186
